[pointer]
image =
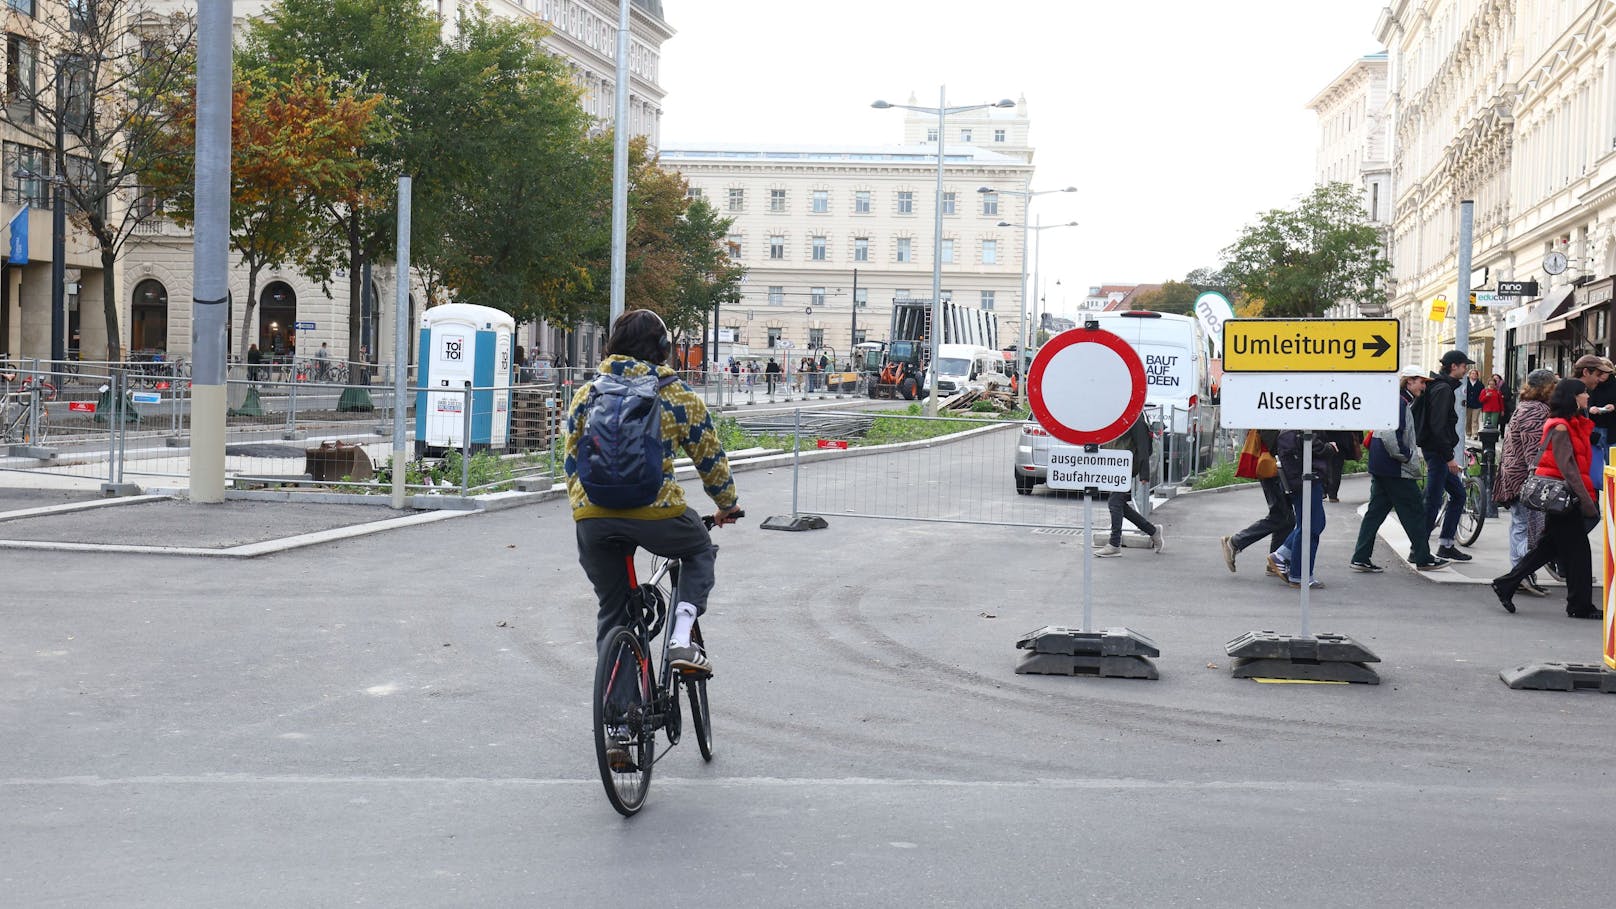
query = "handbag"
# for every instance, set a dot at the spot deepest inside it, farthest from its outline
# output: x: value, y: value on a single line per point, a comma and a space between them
x: 1549, y: 495
x: 1256, y: 461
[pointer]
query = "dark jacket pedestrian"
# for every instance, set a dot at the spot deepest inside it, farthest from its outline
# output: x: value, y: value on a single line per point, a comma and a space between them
x: 1394, y: 473
x: 1290, y: 454
x: 1347, y: 448
x: 1568, y: 457
x: 770, y: 372
x: 1439, y: 443
x: 1139, y: 441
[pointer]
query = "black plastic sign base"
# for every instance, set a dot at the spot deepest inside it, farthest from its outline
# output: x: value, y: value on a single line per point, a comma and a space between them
x: 795, y: 523
x: 1119, y: 653
x: 1309, y: 658
x: 1560, y: 677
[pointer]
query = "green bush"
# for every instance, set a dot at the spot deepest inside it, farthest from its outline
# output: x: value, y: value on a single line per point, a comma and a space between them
x: 1220, y: 475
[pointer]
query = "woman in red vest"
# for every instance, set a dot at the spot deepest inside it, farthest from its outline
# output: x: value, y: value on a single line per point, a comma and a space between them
x: 1567, y: 456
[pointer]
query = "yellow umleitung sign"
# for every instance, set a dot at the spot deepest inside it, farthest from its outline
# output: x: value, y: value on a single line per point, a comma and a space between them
x: 1310, y: 345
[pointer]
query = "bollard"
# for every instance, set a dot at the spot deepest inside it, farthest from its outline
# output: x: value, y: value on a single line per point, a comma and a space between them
x: 465, y: 443
x: 291, y: 408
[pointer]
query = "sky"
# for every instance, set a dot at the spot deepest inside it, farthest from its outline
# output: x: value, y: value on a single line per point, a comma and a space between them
x: 1179, y: 121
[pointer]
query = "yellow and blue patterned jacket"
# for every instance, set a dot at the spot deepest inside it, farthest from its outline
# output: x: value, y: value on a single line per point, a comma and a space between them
x: 685, y: 425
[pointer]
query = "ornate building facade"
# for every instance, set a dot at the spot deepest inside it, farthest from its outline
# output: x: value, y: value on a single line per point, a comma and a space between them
x: 1354, y: 147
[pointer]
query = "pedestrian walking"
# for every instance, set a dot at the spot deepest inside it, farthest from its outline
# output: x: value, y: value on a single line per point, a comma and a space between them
x: 1517, y: 461
x: 1276, y: 524
x: 1394, y: 474
x: 1347, y: 448
x: 1492, y: 403
x: 1594, y: 372
x: 1290, y: 467
x: 770, y: 373
x: 1439, y: 444
x: 1566, y: 456
x: 1472, y: 396
x: 1137, y: 440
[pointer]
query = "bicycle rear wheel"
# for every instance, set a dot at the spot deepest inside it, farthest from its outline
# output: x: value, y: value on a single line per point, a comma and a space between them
x: 700, y: 718
x: 1473, y: 516
x: 622, y: 717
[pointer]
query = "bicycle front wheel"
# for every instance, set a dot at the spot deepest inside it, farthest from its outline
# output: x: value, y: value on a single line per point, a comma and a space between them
x: 625, y: 742
x: 1473, y: 516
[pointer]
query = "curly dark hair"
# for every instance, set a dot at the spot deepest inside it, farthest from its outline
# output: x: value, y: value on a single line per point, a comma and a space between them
x: 639, y: 333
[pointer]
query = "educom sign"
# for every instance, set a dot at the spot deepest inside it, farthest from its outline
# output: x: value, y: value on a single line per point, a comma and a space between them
x: 1213, y: 309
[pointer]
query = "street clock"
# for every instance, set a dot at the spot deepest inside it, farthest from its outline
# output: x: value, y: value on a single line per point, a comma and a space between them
x: 1554, y: 263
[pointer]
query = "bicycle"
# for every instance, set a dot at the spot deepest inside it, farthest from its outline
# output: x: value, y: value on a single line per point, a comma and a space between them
x: 646, y: 692
x: 19, y: 425
x: 1477, y: 492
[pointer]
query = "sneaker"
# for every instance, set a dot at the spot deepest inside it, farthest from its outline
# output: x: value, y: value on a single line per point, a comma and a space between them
x: 1277, y: 566
x: 1108, y: 552
x: 1228, y: 552
x: 1365, y: 565
x: 1156, y: 541
x: 1314, y: 584
x: 690, y: 660
x: 1452, y: 554
x: 1554, y: 572
x: 618, y: 756
x: 1531, y: 586
x: 1431, y: 564
x: 1505, y: 593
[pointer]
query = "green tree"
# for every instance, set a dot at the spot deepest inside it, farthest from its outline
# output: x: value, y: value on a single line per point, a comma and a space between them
x: 292, y: 141
x: 111, y: 64
x: 1171, y: 297
x: 1301, y: 261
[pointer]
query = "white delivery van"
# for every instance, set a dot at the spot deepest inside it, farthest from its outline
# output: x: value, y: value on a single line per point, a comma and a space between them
x: 961, y: 367
x: 1177, y: 381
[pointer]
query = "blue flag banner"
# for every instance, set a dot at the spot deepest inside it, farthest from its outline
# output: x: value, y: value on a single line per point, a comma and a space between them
x: 18, y: 251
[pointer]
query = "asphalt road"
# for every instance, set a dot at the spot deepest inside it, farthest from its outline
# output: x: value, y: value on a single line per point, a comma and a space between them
x: 403, y: 720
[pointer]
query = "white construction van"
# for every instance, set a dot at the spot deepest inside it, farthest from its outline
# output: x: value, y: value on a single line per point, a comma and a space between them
x: 961, y: 367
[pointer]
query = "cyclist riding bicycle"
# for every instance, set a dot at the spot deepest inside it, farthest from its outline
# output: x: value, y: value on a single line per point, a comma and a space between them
x: 636, y: 351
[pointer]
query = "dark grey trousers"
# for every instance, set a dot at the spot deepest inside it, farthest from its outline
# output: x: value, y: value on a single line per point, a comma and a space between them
x: 603, y: 544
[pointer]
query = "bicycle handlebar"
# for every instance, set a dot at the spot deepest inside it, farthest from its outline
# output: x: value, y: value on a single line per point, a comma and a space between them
x: 710, y: 521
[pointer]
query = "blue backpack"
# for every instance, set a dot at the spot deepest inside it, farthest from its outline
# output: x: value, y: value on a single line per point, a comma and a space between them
x: 620, y: 448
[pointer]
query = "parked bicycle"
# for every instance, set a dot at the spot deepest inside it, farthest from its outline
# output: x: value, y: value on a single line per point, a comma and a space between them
x: 1478, y: 485
x: 636, y: 696
x: 23, y: 415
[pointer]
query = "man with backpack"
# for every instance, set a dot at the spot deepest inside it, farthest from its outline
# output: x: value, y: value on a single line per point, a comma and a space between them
x: 623, y: 430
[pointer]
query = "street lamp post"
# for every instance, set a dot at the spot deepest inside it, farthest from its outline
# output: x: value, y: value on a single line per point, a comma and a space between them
x: 1038, y: 255
x: 1021, y: 349
x: 942, y: 110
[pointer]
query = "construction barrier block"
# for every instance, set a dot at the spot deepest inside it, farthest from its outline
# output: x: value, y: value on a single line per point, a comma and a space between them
x: 1112, y: 667
x: 1305, y: 671
x: 1110, y: 642
x: 1560, y: 677
x: 251, y: 406
x: 1323, y: 648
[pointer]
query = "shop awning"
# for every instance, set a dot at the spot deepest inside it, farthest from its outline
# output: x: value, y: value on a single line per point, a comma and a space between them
x: 1532, y: 322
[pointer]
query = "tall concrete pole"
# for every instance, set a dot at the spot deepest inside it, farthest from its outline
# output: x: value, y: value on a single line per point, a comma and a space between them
x: 210, y: 305
x: 1461, y: 337
x: 937, y: 262
x: 401, y: 342
x: 58, y: 344
x: 620, y: 130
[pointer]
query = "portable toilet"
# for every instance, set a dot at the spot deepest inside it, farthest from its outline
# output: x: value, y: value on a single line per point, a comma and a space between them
x: 461, y: 343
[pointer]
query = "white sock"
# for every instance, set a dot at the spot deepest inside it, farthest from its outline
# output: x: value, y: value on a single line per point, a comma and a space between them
x: 684, y: 616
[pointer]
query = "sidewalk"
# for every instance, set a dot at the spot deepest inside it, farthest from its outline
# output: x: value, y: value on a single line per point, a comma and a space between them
x: 1490, y: 554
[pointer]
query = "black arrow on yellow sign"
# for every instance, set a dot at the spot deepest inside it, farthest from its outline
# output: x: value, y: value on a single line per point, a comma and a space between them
x: 1379, y: 345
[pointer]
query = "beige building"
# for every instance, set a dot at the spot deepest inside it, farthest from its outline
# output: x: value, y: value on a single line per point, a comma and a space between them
x: 155, y: 282
x: 1510, y: 104
x: 1354, y: 147
x: 806, y: 219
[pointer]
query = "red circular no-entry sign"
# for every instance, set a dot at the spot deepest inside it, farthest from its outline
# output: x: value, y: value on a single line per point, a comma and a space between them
x: 1086, y: 386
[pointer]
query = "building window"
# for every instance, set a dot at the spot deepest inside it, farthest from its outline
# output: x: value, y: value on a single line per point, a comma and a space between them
x: 777, y: 200
x: 906, y: 202
x: 965, y: 135
x: 733, y: 242
x: 777, y: 295
x: 931, y: 134
x: 1374, y: 201
x: 774, y: 337
x: 949, y: 203
x: 900, y: 295
x: 821, y: 201
x: 860, y: 336
x: 819, y: 248
x: 904, y: 252
x: 987, y: 299
x: 693, y: 193
x: 737, y: 200
x: 946, y: 295
x: 81, y: 15
x: 948, y: 251
x: 861, y: 297
x: 21, y: 57
x: 26, y: 7
x: 990, y: 253
x: 990, y: 203
x: 998, y: 135
x: 816, y: 296
x: 32, y: 185
x: 861, y: 249
x: 777, y: 246
x: 861, y: 202
x: 816, y: 337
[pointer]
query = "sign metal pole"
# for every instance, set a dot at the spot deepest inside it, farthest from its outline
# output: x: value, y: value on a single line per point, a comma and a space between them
x: 1305, y: 568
